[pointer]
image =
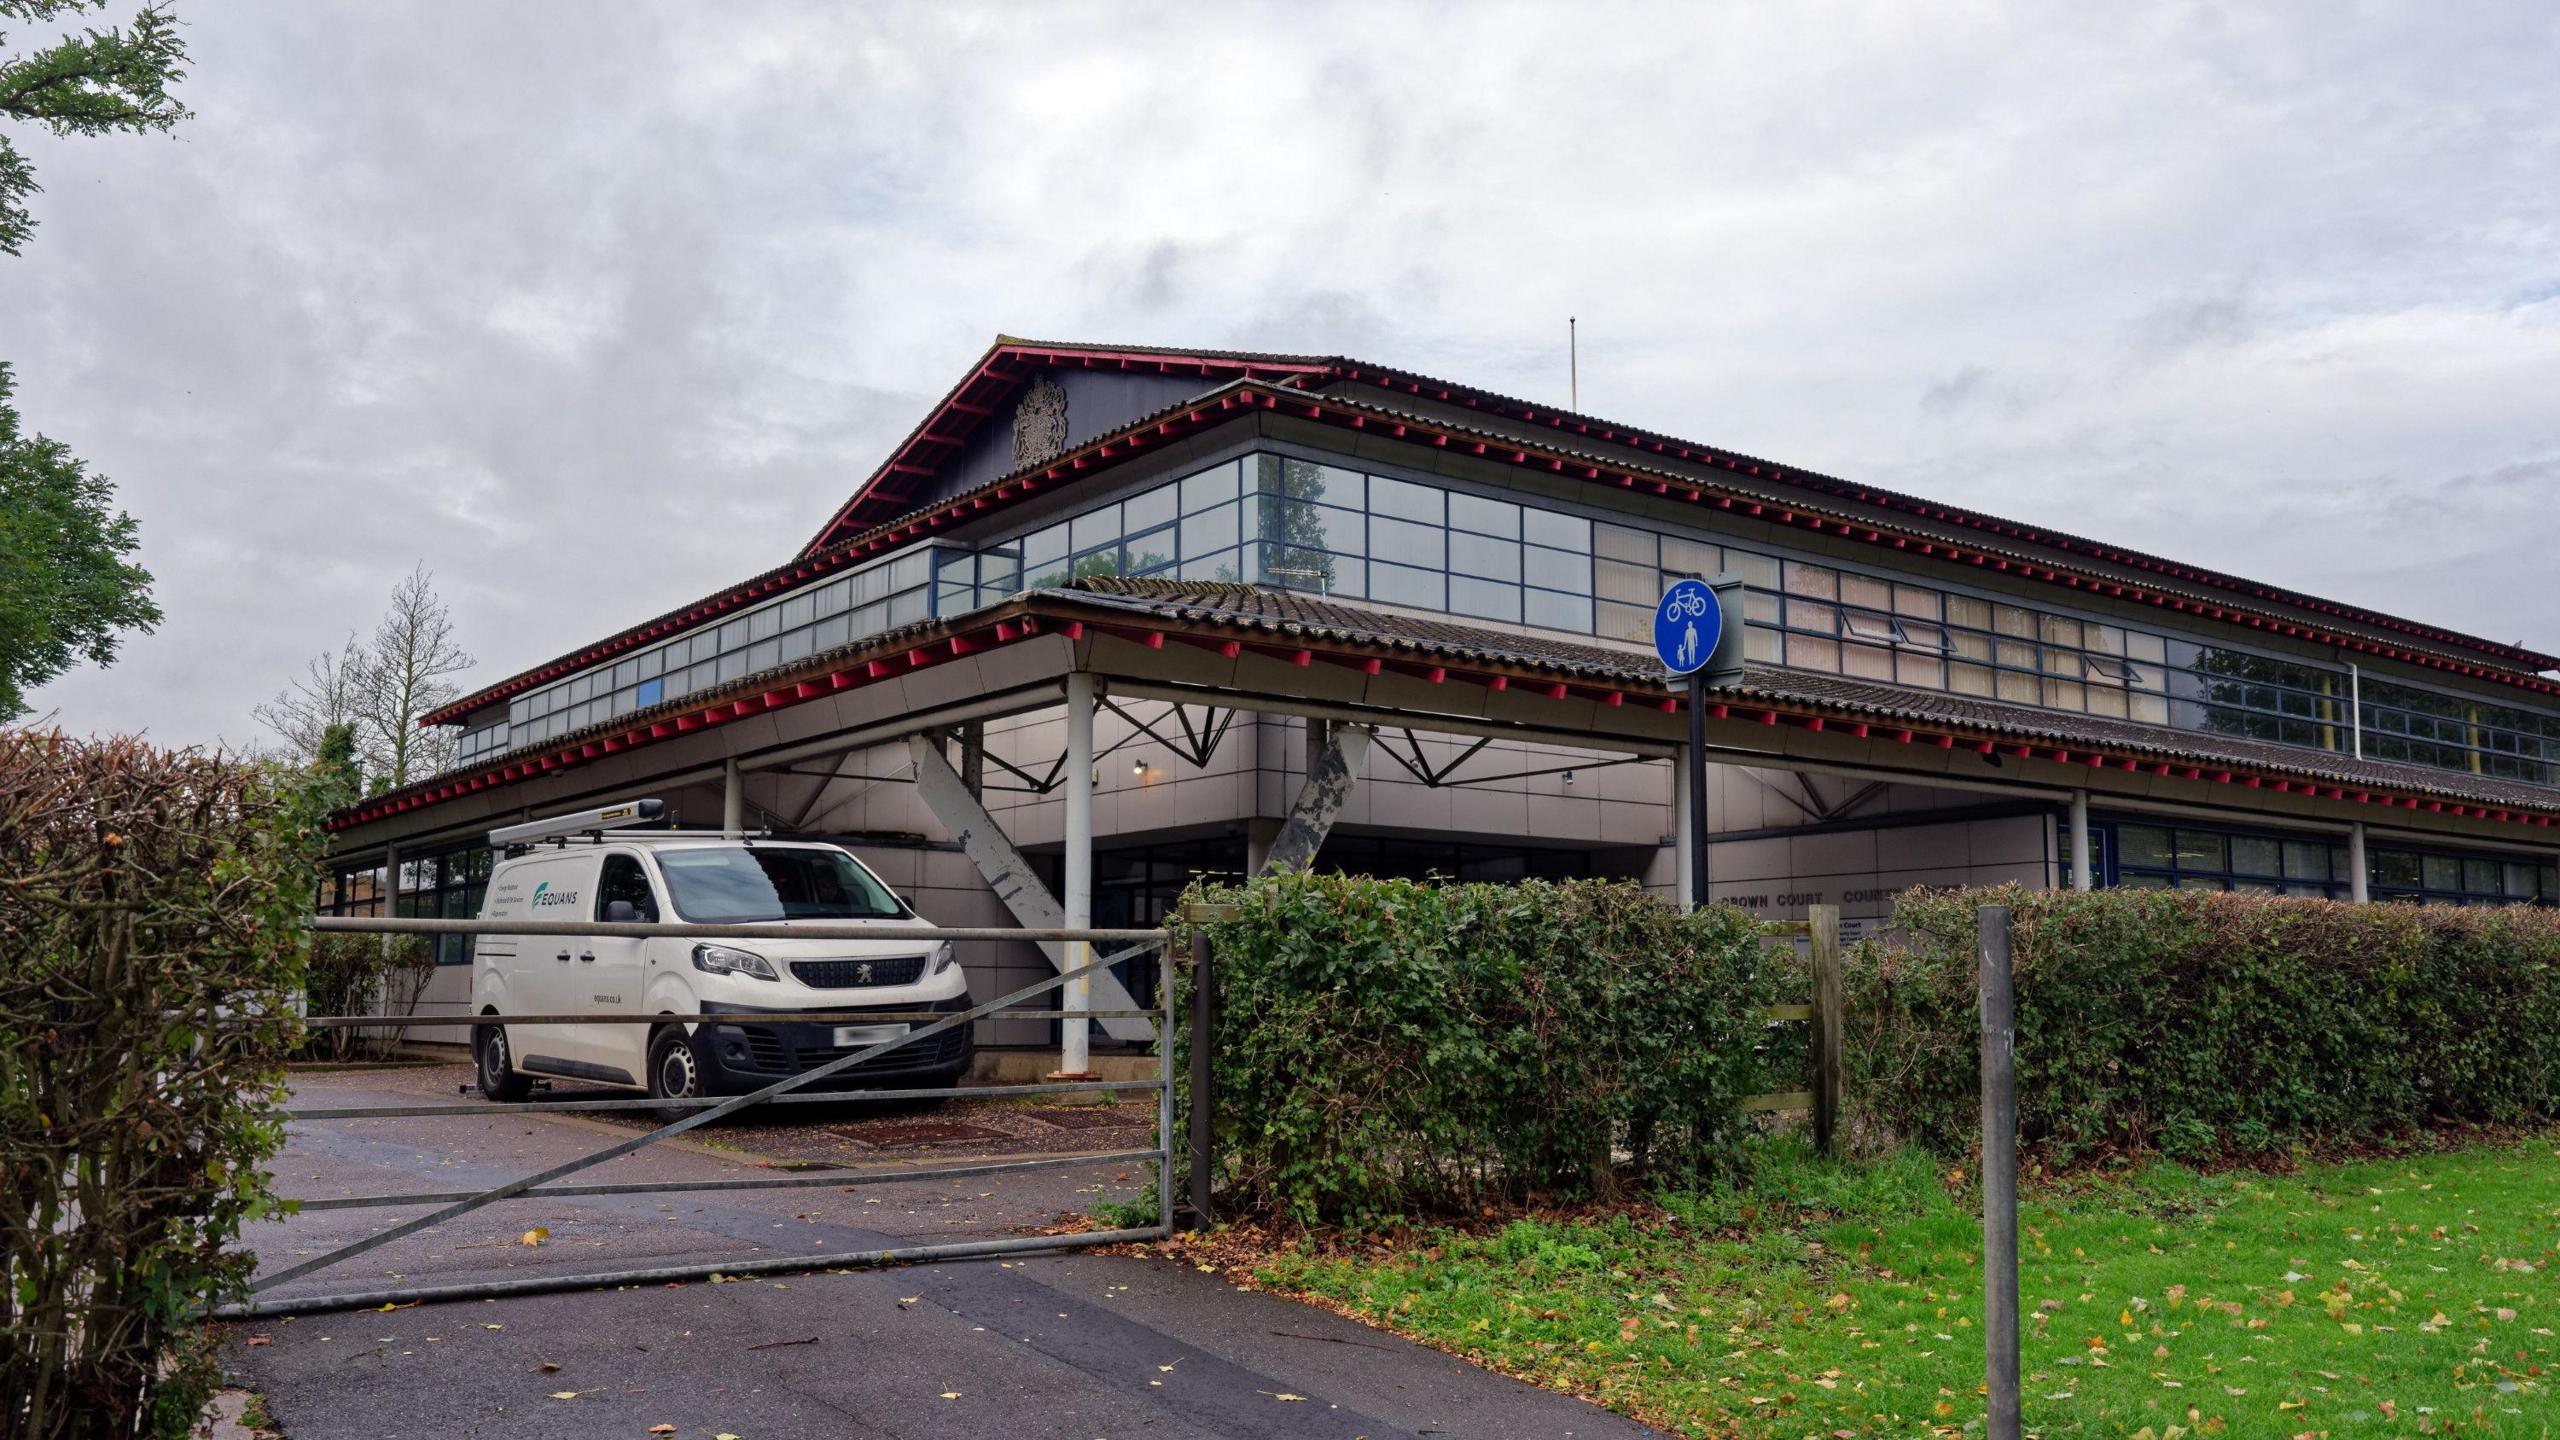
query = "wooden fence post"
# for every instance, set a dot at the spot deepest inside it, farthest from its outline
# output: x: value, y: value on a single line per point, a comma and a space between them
x: 1828, y: 1075
x: 1204, y: 1024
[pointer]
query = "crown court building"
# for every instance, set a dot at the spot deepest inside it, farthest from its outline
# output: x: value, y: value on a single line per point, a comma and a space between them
x: 1113, y: 616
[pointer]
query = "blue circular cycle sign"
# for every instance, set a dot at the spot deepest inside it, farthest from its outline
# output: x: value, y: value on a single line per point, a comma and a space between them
x: 1686, y: 626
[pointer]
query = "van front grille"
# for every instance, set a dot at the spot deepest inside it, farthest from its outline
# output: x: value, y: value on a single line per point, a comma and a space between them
x: 855, y: 974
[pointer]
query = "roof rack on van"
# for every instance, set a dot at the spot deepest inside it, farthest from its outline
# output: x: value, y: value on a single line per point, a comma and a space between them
x: 582, y: 823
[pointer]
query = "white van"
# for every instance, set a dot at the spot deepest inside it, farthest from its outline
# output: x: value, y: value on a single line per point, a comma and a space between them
x: 703, y: 880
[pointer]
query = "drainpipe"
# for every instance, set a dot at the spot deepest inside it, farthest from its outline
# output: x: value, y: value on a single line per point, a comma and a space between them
x: 2081, y: 879
x: 1075, y: 1035
x: 2359, y: 877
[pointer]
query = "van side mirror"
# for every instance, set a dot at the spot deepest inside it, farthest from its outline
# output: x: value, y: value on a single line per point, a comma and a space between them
x: 621, y: 912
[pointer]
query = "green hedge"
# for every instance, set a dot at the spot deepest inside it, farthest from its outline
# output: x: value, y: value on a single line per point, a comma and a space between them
x: 1385, y: 1046
x: 155, y: 905
x: 2210, y: 1025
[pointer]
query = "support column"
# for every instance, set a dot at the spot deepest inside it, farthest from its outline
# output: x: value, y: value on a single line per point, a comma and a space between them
x: 2359, y: 875
x: 733, y: 797
x: 1332, y: 769
x: 1684, y: 885
x: 1075, y: 1035
x: 2083, y: 876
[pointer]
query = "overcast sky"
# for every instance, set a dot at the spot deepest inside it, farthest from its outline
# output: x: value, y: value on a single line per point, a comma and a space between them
x: 594, y: 308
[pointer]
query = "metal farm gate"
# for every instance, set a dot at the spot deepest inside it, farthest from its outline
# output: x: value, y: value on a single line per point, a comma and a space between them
x: 790, y: 1090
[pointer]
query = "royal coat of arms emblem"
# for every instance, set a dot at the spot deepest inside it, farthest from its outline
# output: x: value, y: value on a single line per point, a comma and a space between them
x: 1040, y: 423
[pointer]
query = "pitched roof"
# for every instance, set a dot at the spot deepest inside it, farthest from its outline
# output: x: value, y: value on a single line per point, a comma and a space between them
x: 1010, y: 362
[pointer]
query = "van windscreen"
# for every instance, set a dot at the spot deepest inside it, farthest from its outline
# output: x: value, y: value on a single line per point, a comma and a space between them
x: 724, y: 886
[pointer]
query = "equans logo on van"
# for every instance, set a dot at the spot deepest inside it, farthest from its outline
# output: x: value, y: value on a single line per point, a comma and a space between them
x: 544, y: 895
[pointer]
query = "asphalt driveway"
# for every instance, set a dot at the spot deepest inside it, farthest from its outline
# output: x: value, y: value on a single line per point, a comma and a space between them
x: 1071, y: 1345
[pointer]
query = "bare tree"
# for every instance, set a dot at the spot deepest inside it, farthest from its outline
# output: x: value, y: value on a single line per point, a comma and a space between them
x: 375, y: 691
x: 323, y: 696
x: 408, y: 672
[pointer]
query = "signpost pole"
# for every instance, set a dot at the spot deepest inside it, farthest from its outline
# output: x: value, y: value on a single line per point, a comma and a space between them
x: 1698, y: 789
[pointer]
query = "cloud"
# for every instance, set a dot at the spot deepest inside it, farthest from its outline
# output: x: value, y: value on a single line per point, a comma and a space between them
x: 595, y: 314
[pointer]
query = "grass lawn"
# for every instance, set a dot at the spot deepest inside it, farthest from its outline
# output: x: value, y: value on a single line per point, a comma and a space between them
x: 2395, y: 1297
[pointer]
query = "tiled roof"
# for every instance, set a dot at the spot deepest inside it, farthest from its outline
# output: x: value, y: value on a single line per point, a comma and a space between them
x: 1352, y: 634
x: 1291, y: 614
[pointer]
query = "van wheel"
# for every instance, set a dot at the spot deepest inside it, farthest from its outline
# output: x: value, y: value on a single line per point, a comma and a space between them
x: 498, y: 1078
x: 674, y: 1073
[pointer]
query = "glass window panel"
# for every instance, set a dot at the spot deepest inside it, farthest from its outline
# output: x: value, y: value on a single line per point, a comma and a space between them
x: 1681, y: 556
x: 1209, y: 530
x: 796, y: 643
x: 2396, y: 868
x: 1629, y: 584
x: 832, y: 631
x: 1552, y: 611
x: 1813, y: 580
x: 1044, y: 545
x: 1404, y: 501
x: 1865, y: 591
x: 1404, y: 585
x: 1409, y: 542
x: 1917, y: 602
x: 1473, y: 513
x: 1926, y: 671
x: 1307, y: 480
x: 1869, y: 662
x: 1322, y: 527
x: 2151, y: 709
x: 2138, y: 881
x: 1556, y: 530
x: 2017, y: 688
x: 2517, y: 880
x: 2256, y: 855
x: 1922, y: 634
x: 1150, y: 551
x: 906, y: 608
x: 626, y: 672
x: 2138, y: 646
x: 1156, y: 507
x: 1483, y: 557
x: 1625, y: 622
x: 764, y: 654
x: 2106, y: 700
x: 1557, y: 569
x: 1868, y: 625
x: 2146, y: 845
x: 2010, y: 620
x: 1809, y: 615
x: 2443, y: 872
x: 1967, y: 611
x: 1047, y: 573
x: 2014, y: 654
x: 2066, y: 695
x: 1098, y: 528
x: 1489, y: 599
x: 2202, y: 850
x: 1759, y: 570
x: 1617, y: 542
x: 1223, y: 565
x: 2061, y: 630
x: 1806, y: 652
x: 1213, y: 486
x: 1761, y: 609
x: 2480, y: 877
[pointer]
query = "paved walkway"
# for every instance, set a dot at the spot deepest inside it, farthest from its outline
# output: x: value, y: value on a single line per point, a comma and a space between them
x: 1072, y: 1345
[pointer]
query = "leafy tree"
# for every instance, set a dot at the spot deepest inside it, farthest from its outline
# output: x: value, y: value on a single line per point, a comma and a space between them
x: 340, y: 774
x: 66, y: 589
x: 94, y: 83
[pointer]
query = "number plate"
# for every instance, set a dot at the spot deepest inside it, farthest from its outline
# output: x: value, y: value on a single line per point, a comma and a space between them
x: 849, y: 1036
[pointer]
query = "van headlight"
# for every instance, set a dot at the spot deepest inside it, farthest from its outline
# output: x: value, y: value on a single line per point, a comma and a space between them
x: 728, y: 960
x: 943, y: 955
